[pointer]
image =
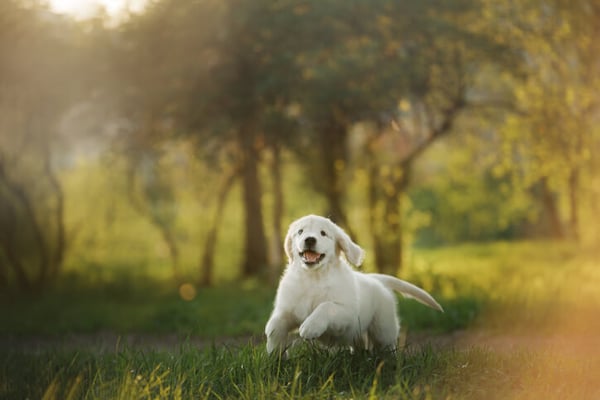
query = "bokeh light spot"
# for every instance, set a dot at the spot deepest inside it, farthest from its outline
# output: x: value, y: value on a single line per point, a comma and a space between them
x: 187, y: 291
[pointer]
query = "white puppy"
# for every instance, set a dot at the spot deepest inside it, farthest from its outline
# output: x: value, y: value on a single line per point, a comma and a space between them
x: 322, y: 295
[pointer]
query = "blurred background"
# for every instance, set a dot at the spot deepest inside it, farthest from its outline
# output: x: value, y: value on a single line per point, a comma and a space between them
x: 173, y: 141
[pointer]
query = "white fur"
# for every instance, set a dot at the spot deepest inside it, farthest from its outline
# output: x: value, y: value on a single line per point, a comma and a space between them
x: 330, y: 301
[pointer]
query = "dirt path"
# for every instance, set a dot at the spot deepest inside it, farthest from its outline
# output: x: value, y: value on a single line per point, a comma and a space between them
x: 572, y: 344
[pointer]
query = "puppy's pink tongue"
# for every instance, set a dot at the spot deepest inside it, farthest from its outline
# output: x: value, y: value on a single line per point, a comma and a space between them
x: 311, y: 256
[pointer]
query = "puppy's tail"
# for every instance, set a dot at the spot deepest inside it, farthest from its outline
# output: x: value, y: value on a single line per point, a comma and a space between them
x: 408, y: 290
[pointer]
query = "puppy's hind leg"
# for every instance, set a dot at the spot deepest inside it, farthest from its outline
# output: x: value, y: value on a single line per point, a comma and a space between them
x: 385, y: 328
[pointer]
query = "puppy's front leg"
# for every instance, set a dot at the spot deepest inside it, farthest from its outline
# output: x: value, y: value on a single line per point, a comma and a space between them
x: 327, y: 317
x: 276, y: 330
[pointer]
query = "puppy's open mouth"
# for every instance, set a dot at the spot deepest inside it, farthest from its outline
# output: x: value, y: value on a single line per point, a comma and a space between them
x: 310, y: 257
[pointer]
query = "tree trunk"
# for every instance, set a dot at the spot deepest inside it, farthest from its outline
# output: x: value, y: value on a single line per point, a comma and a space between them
x: 171, y: 243
x: 3, y: 275
x: 60, y: 241
x: 391, y: 257
x: 388, y: 182
x: 255, y: 245
x: 548, y: 199
x: 385, y: 217
x: 334, y: 158
x: 18, y: 192
x: 4, y: 267
x: 208, y: 257
x: 574, y: 204
x: 23, y: 281
x: 161, y: 225
x: 278, y: 206
x: 7, y: 244
x: 43, y: 258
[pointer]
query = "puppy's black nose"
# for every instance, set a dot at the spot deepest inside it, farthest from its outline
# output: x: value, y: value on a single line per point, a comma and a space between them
x: 310, y: 241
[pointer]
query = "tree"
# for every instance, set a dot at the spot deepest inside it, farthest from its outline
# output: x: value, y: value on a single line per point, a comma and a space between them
x: 408, y: 64
x: 337, y: 60
x: 553, y: 139
x: 33, y: 237
x: 218, y: 71
x: 243, y: 98
x: 152, y: 194
x: 441, y: 60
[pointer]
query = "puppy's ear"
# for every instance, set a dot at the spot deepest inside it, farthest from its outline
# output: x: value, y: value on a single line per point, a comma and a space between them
x: 354, y: 253
x: 287, y: 245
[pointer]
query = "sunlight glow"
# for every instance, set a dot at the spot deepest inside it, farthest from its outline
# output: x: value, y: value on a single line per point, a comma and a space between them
x: 82, y: 9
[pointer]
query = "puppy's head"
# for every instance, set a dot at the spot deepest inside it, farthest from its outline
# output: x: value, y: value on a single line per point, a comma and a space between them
x: 314, y: 241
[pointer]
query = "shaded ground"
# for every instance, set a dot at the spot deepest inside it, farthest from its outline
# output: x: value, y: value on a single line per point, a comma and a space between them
x: 573, y: 344
x: 112, y: 342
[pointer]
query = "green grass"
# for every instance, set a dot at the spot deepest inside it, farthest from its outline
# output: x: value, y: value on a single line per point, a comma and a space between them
x: 133, y: 304
x: 158, y: 309
x: 248, y: 373
x: 138, y: 306
x: 523, y: 285
x: 523, y: 289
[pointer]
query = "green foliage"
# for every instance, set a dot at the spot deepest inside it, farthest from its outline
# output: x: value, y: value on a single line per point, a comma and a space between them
x: 232, y: 82
x: 481, y: 208
x: 459, y: 196
x: 235, y: 77
x: 552, y: 140
x: 108, y: 231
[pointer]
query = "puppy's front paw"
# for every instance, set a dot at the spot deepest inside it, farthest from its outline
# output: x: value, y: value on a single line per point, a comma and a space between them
x: 272, y: 345
x: 312, y: 329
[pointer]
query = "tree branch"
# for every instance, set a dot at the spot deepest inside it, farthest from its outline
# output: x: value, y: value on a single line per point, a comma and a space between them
x: 7, y: 236
x: 449, y: 116
x: 59, y: 251
x: 207, y: 262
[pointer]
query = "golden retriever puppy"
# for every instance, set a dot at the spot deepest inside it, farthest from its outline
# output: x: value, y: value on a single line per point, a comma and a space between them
x: 326, y: 299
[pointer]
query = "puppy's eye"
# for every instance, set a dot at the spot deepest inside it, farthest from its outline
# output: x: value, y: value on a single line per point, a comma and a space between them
x: 300, y: 231
x: 323, y: 233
